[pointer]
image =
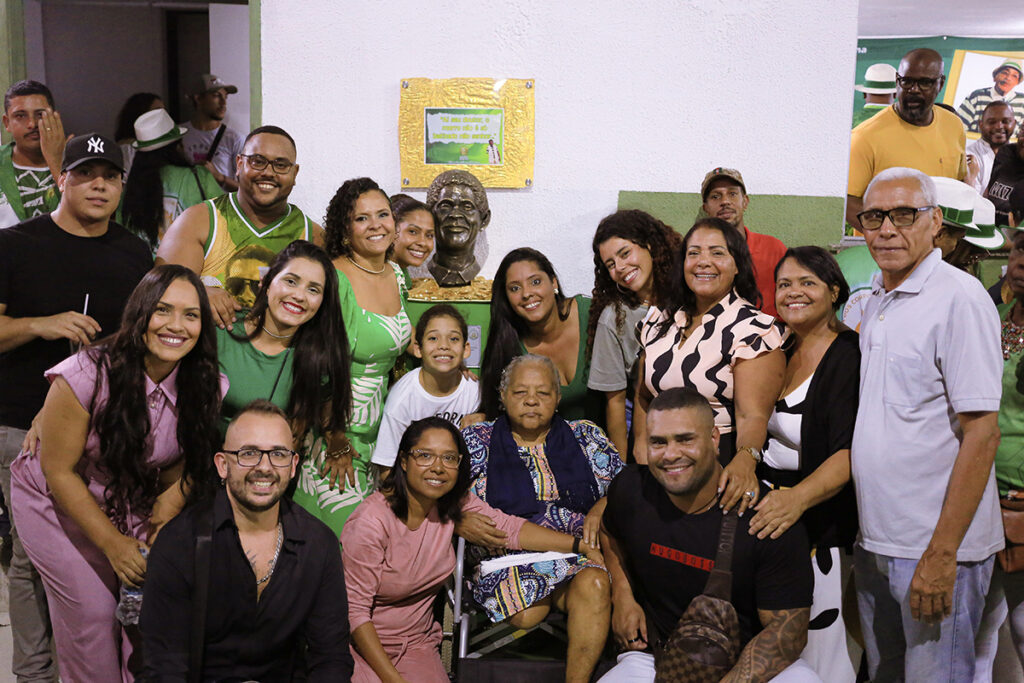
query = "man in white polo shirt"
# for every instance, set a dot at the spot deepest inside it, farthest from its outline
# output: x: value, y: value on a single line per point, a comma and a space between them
x: 924, y: 443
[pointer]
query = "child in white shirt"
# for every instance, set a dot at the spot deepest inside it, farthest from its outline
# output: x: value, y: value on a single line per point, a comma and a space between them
x: 438, y: 387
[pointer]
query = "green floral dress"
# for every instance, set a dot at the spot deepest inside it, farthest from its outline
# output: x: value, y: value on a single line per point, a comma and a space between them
x: 375, y: 343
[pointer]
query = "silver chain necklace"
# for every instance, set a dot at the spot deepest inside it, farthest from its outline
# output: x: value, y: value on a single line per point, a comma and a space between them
x: 273, y: 562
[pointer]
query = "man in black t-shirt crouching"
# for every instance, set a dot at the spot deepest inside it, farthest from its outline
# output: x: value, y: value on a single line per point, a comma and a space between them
x: 660, y: 535
x: 64, y: 279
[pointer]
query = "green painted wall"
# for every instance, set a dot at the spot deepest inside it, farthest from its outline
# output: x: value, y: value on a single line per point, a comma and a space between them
x: 794, y: 220
x: 12, y: 47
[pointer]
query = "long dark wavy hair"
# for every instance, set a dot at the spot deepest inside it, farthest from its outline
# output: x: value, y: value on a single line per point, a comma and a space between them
x: 338, y: 220
x: 682, y: 298
x: 143, y: 209
x: 396, y: 488
x: 647, y: 232
x: 134, y: 107
x: 507, y: 328
x: 122, y: 422
x: 321, y: 366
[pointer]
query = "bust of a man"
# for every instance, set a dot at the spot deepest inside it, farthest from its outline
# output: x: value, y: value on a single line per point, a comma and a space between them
x: 459, y: 204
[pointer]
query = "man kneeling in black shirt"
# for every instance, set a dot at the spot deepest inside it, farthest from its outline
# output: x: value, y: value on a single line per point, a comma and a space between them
x: 659, y: 536
x: 274, y: 573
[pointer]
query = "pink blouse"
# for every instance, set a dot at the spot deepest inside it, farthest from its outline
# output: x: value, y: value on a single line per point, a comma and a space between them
x: 393, y: 573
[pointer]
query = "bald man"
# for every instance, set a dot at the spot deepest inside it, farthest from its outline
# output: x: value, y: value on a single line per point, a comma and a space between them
x: 912, y: 133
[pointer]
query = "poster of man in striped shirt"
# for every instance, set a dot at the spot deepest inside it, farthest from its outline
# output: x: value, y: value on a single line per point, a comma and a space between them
x: 1005, y: 79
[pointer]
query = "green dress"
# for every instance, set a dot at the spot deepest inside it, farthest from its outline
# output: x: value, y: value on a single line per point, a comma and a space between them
x: 577, y: 403
x: 252, y: 373
x: 375, y: 343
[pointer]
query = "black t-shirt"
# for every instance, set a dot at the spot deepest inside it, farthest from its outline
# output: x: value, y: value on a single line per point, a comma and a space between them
x: 669, y: 556
x: 1007, y: 182
x: 44, y: 271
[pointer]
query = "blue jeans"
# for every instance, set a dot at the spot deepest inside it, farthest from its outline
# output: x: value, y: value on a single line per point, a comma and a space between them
x: 900, y: 648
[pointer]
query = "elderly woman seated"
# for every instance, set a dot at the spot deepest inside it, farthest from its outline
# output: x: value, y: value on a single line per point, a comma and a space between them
x: 531, y: 463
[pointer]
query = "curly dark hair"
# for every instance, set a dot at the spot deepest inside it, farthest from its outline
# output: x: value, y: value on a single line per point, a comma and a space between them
x: 321, y: 372
x: 395, y: 486
x: 647, y: 232
x: 682, y: 298
x: 507, y: 328
x: 122, y: 422
x: 337, y: 221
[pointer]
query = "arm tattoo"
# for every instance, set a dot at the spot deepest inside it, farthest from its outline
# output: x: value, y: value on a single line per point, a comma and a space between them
x: 774, y: 648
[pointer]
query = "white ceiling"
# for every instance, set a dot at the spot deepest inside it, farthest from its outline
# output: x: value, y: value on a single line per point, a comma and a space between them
x: 988, y: 18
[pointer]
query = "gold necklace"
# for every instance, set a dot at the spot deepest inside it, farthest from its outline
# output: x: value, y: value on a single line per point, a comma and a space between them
x: 365, y: 269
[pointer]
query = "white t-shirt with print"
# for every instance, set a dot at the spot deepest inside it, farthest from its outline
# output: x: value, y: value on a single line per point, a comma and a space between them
x: 408, y: 401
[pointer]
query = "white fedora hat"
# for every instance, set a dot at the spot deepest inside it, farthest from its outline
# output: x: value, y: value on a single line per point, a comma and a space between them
x: 989, y: 236
x: 879, y: 79
x: 156, y: 129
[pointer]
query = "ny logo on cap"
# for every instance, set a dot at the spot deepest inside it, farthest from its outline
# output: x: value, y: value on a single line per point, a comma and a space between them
x: 95, y: 146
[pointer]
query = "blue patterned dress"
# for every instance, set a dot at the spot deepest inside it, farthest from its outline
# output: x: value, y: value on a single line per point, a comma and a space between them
x: 508, y: 591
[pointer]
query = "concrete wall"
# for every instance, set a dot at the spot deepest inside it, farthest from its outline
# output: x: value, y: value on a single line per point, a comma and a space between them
x: 645, y: 97
x: 94, y: 57
x: 229, y: 58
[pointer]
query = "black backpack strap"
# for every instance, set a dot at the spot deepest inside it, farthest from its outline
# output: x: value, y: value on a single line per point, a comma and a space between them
x: 199, y: 183
x: 197, y: 634
x: 216, y: 142
x: 719, y: 584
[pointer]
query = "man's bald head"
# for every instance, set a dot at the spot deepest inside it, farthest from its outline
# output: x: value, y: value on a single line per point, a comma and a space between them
x: 918, y: 82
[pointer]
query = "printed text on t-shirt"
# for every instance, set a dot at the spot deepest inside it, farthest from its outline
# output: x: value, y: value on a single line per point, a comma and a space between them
x: 681, y: 557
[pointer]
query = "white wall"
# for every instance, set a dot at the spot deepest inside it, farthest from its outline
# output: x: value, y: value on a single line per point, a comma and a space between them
x: 629, y: 97
x: 229, y: 58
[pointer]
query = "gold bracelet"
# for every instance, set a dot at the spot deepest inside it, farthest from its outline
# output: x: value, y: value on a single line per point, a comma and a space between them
x: 339, y: 453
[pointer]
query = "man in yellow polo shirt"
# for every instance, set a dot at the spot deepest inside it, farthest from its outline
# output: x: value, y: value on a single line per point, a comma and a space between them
x: 912, y: 132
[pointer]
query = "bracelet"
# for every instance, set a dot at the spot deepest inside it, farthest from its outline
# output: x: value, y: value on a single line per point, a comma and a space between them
x: 576, y: 545
x: 336, y: 454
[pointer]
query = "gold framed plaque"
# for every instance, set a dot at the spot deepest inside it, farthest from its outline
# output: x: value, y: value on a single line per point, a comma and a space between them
x: 481, y: 125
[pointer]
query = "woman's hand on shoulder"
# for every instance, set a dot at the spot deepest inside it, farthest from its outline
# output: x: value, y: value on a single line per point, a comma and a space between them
x: 738, y: 483
x: 472, y: 419
x: 479, y: 529
x: 779, y: 510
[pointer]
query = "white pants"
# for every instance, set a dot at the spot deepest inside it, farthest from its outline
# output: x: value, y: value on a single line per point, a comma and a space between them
x: 639, y: 666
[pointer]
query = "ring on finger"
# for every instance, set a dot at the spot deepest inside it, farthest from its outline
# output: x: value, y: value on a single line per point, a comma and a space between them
x: 750, y: 494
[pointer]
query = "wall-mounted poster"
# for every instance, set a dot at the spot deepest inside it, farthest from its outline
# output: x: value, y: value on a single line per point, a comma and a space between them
x: 976, y: 71
x: 463, y: 136
x: 482, y: 125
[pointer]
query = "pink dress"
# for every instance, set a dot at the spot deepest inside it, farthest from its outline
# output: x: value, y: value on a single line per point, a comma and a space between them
x: 81, y: 587
x: 393, y: 574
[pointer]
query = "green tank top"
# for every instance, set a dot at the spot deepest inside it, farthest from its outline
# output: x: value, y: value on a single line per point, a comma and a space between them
x: 235, y: 250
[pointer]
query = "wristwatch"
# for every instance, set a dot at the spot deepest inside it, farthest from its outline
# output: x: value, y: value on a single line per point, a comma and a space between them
x: 756, y: 453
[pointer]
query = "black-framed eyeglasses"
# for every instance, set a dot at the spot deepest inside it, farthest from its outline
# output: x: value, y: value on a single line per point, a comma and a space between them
x: 258, y: 162
x: 450, y: 460
x: 900, y: 217
x: 921, y: 83
x: 251, y: 457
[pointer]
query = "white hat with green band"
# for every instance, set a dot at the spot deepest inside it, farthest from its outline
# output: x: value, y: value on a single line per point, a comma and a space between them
x: 156, y: 129
x: 879, y: 79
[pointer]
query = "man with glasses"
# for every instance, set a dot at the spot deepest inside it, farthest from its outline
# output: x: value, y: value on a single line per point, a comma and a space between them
x: 924, y: 443
x: 255, y: 581
x: 912, y: 132
x: 208, y: 236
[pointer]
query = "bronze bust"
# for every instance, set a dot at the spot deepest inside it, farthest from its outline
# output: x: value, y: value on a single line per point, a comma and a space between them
x: 459, y: 204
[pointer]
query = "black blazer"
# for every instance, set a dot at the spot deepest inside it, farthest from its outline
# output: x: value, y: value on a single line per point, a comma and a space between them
x: 827, y: 427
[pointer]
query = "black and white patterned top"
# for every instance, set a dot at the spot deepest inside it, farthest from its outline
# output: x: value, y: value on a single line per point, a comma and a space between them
x: 732, y: 330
